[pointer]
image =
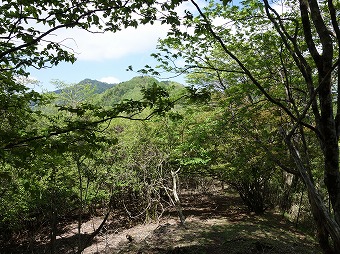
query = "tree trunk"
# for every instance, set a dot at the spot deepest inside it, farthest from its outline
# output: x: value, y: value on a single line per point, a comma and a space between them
x: 54, y: 213
x: 100, y: 227
x: 176, y: 198
x: 326, y: 225
x: 315, y: 26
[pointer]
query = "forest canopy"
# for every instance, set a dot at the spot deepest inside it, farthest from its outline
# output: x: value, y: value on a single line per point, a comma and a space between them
x: 262, y: 113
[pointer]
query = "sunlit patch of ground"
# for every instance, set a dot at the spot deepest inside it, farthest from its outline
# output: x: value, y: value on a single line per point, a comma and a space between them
x: 214, y: 225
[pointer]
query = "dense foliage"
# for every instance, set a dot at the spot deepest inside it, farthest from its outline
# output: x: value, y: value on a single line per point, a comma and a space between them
x: 262, y: 114
x: 281, y: 62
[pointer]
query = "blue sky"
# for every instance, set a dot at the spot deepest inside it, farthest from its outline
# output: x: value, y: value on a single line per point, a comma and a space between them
x: 104, y: 57
x: 106, y: 70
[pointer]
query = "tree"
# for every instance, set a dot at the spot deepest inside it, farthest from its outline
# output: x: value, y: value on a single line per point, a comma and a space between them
x: 26, y: 42
x: 62, y: 174
x: 291, y: 58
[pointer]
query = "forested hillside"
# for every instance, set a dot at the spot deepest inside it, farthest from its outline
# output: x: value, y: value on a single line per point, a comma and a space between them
x: 97, y: 86
x: 249, y: 146
x: 132, y: 90
x: 134, y: 166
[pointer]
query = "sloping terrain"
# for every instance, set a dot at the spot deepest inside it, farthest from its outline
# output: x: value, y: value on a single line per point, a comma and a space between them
x: 216, y: 223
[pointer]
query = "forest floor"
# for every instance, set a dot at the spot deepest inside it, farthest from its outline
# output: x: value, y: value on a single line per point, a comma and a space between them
x: 215, y: 223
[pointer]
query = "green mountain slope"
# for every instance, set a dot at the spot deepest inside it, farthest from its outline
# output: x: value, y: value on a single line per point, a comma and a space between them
x: 99, y: 87
x: 132, y: 90
x: 105, y: 94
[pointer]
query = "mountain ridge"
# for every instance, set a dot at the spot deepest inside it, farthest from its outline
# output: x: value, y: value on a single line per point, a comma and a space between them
x: 108, y: 94
x: 98, y: 86
x: 131, y: 89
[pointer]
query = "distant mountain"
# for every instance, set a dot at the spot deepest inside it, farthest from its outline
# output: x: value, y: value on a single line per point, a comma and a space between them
x: 108, y: 94
x: 132, y: 89
x: 99, y: 87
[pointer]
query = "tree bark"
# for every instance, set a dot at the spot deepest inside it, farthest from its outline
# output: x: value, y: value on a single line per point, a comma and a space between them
x: 176, y: 198
x: 326, y: 225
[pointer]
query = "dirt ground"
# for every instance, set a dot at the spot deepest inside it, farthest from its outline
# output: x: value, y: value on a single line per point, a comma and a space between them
x: 215, y: 224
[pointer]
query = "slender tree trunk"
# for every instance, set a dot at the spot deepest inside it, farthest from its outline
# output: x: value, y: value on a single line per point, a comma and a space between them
x: 176, y: 198
x: 326, y: 225
x: 299, y: 210
x: 100, y: 227
x: 53, y: 232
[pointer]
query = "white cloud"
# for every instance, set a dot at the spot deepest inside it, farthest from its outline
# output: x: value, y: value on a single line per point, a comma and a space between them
x: 108, y: 45
x: 109, y: 80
